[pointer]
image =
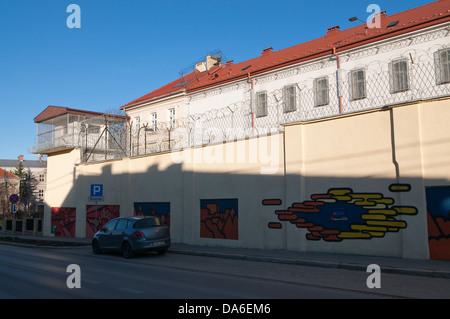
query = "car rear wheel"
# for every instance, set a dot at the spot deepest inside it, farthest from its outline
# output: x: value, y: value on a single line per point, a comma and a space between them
x: 127, y: 251
x: 96, y: 247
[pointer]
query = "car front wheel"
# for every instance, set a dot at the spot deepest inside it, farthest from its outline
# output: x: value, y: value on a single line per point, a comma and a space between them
x: 96, y: 248
x: 127, y: 251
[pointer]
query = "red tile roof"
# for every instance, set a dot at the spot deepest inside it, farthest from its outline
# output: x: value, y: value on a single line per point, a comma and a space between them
x: 4, y: 173
x: 411, y: 20
x: 174, y: 87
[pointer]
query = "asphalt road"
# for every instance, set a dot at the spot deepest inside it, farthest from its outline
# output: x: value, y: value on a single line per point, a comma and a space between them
x: 41, y: 273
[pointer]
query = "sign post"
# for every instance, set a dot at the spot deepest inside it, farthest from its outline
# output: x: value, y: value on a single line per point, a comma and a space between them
x: 96, y: 196
x: 14, y: 199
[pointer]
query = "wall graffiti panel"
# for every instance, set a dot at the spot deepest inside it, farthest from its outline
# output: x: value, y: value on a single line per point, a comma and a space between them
x: 219, y: 218
x: 438, y: 217
x: 343, y: 214
x: 63, y: 220
x: 104, y: 214
x: 159, y: 209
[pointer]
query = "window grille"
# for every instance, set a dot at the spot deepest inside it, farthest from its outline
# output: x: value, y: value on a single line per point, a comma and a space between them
x: 358, y: 84
x: 321, y: 89
x: 443, y: 66
x: 399, y: 76
x: 154, y: 121
x: 261, y: 104
x: 289, y: 98
x: 172, y: 117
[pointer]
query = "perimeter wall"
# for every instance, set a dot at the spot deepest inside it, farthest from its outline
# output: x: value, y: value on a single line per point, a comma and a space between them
x: 372, y: 183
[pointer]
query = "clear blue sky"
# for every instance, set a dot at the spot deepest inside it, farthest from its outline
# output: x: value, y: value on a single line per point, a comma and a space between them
x: 127, y: 48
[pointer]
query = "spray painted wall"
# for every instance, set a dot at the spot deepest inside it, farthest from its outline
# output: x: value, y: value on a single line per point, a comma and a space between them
x: 352, y: 184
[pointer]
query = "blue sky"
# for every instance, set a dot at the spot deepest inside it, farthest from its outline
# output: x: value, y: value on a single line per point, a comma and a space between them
x: 127, y: 48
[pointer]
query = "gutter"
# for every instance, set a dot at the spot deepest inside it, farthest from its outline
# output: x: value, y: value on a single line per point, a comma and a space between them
x: 338, y: 79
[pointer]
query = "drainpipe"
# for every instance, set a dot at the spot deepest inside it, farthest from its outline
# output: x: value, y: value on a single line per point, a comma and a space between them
x: 251, y: 100
x: 338, y: 77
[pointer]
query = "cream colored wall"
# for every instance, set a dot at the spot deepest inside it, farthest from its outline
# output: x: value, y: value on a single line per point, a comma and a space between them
x: 367, y: 153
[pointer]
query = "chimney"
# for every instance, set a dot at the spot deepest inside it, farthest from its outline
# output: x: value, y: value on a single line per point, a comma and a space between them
x: 333, y: 30
x: 267, y: 51
x: 20, y: 158
x: 212, y: 61
x: 201, y: 66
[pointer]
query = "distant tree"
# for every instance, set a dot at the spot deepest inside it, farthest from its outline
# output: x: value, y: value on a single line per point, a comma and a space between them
x: 27, y: 185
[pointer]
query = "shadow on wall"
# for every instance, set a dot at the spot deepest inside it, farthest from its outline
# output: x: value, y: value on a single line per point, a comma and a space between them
x: 255, y: 208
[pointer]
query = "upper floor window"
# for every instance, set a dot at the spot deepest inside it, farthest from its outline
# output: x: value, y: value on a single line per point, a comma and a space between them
x: 154, y: 121
x: 289, y: 98
x: 358, y: 84
x: 399, y: 76
x: 138, y: 123
x: 443, y: 66
x: 172, y: 117
x: 261, y: 104
x: 321, y: 91
x: 41, y: 177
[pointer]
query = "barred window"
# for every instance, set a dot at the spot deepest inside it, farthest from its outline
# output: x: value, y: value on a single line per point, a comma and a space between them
x: 358, y: 84
x: 321, y: 89
x: 443, y: 66
x: 289, y: 98
x: 154, y: 121
x: 399, y: 76
x: 261, y: 104
x: 172, y: 117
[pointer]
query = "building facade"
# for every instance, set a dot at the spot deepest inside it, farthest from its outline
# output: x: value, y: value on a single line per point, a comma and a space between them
x: 339, y: 144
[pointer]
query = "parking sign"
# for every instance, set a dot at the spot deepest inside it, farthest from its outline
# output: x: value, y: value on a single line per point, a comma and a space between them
x: 96, y: 193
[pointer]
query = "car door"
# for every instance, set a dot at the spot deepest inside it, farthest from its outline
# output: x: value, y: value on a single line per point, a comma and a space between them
x: 105, y: 234
x: 119, y: 233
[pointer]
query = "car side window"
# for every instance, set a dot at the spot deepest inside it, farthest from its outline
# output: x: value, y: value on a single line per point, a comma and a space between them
x: 122, y: 224
x: 111, y: 225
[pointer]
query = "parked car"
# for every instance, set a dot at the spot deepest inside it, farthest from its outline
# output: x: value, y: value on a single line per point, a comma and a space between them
x: 131, y: 235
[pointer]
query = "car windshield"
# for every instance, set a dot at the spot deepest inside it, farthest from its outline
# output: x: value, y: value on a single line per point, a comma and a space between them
x: 148, y: 222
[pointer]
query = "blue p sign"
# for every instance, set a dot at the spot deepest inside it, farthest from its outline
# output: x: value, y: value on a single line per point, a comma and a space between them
x: 96, y: 190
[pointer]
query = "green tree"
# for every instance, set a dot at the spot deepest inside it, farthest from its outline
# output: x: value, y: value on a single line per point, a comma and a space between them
x: 27, y: 184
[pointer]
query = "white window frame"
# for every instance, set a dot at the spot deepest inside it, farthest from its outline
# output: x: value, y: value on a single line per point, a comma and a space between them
x: 290, y: 98
x: 172, y: 117
x: 399, y: 73
x: 322, y: 91
x: 154, y: 121
x: 261, y: 104
x: 357, y: 81
x: 442, y: 58
x: 137, y: 125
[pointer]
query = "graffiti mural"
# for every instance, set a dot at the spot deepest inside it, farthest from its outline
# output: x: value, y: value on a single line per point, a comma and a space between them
x: 98, y: 216
x: 438, y: 216
x: 219, y: 218
x: 159, y: 209
x: 343, y: 214
x: 63, y: 220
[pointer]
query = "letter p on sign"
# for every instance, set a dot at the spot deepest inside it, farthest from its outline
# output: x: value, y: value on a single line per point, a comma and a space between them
x: 96, y: 190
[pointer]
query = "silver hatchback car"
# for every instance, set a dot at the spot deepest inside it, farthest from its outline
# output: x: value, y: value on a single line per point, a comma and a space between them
x: 130, y: 235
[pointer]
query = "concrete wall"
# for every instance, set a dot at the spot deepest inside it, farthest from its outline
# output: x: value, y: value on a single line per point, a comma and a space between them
x: 352, y: 184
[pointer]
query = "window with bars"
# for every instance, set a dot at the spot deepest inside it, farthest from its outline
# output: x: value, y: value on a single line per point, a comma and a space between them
x: 261, y: 104
x: 172, y: 117
x: 399, y: 76
x: 289, y: 98
x: 154, y: 121
x: 321, y: 90
x: 358, y: 84
x: 442, y: 58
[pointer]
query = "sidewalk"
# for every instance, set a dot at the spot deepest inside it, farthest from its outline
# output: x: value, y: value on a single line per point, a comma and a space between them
x: 415, y: 267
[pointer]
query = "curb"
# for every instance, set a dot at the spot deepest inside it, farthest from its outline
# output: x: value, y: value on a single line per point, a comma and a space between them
x: 315, y: 263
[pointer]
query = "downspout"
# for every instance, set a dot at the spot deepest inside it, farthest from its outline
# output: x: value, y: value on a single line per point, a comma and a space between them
x: 338, y: 78
x: 251, y: 101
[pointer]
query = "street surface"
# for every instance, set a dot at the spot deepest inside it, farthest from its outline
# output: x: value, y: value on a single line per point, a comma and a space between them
x: 41, y: 273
